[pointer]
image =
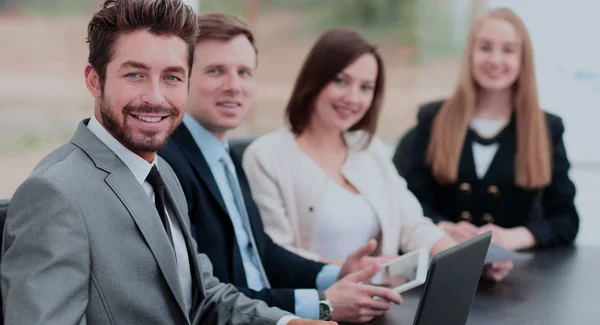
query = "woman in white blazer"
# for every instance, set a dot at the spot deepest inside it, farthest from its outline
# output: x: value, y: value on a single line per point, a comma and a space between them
x: 325, y: 186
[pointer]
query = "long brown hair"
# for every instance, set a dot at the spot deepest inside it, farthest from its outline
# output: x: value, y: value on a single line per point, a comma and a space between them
x: 334, y: 50
x: 449, y: 129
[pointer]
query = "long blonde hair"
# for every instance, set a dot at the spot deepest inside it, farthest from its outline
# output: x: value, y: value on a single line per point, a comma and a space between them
x: 449, y: 129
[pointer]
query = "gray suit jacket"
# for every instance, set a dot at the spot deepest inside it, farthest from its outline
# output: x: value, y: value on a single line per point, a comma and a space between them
x: 83, y: 244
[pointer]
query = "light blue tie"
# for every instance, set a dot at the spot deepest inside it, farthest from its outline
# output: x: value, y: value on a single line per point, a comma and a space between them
x: 238, y: 197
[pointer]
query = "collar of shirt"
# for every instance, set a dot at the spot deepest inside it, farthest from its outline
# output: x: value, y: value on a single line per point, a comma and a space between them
x: 212, y: 149
x: 138, y: 166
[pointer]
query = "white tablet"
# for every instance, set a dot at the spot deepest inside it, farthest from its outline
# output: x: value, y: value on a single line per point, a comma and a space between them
x: 405, y: 272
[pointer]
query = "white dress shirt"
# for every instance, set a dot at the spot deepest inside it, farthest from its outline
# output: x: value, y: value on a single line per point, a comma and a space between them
x: 140, y: 169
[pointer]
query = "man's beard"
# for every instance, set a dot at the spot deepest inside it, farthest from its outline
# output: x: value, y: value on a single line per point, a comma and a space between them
x: 138, y: 141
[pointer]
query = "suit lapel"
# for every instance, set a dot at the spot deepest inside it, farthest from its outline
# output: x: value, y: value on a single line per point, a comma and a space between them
x: 147, y: 219
x: 186, y: 142
x: 248, y: 203
x: 189, y: 147
x: 466, y: 164
x: 245, y: 187
x: 138, y: 204
x: 198, y: 290
x: 238, y: 273
x: 502, y: 166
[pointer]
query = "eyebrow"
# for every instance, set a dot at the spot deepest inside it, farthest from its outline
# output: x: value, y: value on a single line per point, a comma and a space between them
x: 140, y: 65
x: 134, y: 64
x: 349, y: 76
x: 221, y: 66
x: 485, y: 40
x: 175, y: 69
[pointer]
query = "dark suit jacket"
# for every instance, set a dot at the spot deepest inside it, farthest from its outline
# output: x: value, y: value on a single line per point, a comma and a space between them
x: 549, y: 213
x: 214, y: 232
x: 3, y: 212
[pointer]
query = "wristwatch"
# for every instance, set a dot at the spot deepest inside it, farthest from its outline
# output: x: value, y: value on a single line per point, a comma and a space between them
x: 325, y: 308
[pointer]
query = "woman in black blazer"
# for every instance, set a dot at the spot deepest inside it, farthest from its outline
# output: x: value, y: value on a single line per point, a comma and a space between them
x: 488, y: 158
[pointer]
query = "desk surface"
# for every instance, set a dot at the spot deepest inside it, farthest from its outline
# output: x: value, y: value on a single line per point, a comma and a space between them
x: 557, y: 287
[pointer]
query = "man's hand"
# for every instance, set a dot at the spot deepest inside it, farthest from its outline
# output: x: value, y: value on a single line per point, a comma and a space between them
x: 300, y: 321
x: 360, y: 259
x: 513, y: 238
x: 497, y: 270
x: 460, y: 231
x: 355, y: 302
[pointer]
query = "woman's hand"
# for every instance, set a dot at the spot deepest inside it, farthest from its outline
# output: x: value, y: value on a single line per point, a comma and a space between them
x: 497, y: 270
x: 510, y: 238
x: 460, y: 231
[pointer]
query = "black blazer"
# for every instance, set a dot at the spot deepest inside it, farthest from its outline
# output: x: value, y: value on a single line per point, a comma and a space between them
x: 213, y: 230
x: 549, y: 213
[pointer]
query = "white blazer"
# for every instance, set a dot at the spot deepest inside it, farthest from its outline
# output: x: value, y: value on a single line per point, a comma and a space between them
x: 289, y: 192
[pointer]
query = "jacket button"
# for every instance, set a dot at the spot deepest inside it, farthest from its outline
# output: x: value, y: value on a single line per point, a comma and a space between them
x: 494, y: 191
x: 465, y: 215
x: 465, y: 188
x: 488, y: 218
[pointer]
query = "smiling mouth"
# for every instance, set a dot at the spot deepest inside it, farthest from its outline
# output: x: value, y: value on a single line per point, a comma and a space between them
x: 149, y: 119
x: 229, y: 104
x: 345, y: 111
x: 494, y: 74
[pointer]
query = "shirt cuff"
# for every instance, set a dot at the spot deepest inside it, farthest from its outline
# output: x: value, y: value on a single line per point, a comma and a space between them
x: 307, y: 303
x: 285, y: 319
x: 328, y: 275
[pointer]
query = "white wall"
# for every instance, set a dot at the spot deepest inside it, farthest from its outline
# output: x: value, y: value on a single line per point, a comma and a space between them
x: 567, y: 56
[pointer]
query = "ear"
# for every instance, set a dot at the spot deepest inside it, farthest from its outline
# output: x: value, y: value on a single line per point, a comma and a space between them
x: 92, y: 81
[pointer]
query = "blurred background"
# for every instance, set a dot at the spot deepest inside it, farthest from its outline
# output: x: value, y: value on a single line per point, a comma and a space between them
x: 43, y: 96
x: 43, y: 54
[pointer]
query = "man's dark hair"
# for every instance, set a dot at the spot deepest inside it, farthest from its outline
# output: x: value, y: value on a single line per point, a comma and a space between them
x: 159, y: 17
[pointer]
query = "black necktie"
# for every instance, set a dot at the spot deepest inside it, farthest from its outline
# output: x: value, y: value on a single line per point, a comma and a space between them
x: 158, y: 185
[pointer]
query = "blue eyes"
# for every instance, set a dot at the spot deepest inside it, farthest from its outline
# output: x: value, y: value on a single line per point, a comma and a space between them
x: 135, y: 75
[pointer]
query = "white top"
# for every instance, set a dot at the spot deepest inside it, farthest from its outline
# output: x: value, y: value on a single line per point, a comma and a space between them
x: 290, y: 192
x: 345, y: 223
x: 140, y: 169
x: 484, y: 154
